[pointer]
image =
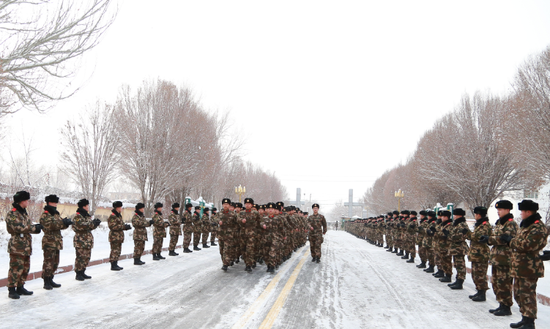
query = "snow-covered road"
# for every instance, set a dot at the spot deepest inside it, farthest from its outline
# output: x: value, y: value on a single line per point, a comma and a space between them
x: 356, y: 285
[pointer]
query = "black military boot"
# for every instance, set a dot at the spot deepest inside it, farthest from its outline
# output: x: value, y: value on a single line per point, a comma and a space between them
x: 12, y: 294
x: 504, y: 311
x: 254, y: 265
x: 439, y: 274
x: 115, y: 267
x: 156, y: 257
x: 85, y: 276
x: 172, y: 253
x: 430, y: 269
x: 160, y: 256
x: 22, y: 291
x: 47, y: 284
x: 528, y: 323
x: 187, y: 250
x: 475, y: 295
x: 248, y: 269
x: 79, y: 276
x: 137, y: 261
x: 260, y: 261
x: 237, y: 261
x: 400, y: 253
x: 446, y: 278
x: 520, y: 324
x: 480, y: 296
x: 318, y: 260
x: 224, y: 268
x: 394, y: 251
x: 496, y: 309
x: 411, y: 260
x: 53, y: 284
x: 421, y: 265
x: 213, y: 244
x: 204, y: 245
x: 196, y: 248
x: 389, y: 249
x: 270, y: 269
x: 457, y: 285
x: 406, y: 256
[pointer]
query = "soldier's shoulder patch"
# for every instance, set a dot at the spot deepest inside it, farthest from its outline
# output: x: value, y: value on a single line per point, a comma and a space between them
x: 537, y: 221
x: 510, y: 219
x: 14, y: 209
x: 484, y: 223
x: 45, y: 211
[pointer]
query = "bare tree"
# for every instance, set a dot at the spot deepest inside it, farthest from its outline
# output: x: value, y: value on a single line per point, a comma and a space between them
x: 40, y: 41
x: 92, y: 150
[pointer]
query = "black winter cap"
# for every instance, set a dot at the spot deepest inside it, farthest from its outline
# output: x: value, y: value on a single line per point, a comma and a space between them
x: 504, y: 204
x: 52, y: 198
x: 528, y: 205
x: 21, y: 196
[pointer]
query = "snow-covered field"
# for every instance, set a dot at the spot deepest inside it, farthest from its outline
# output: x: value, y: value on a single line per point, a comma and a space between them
x: 356, y: 285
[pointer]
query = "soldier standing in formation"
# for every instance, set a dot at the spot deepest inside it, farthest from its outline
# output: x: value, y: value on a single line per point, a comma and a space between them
x: 52, y: 241
x: 159, y: 231
x: 214, y: 222
x: 457, y: 235
x: 479, y: 253
x: 20, y: 228
x: 83, y: 241
x: 187, y: 220
x: 175, y: 229
x: 197, y: 228
x: 116, y: 234
x: 318, y: 228
x: 140, y: 233
x: 205, y: 227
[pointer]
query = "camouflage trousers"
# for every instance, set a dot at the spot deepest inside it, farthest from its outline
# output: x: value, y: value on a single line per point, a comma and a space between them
x: 196, y: 238
x: 205, y: 237
x: 525, y: 294
x: 19, y: 269
x: 460, y: 265
x: 430, y: 256
x: 157, y: 245
x: 446, y: 264
x: 213, y: 235
x: 271, y: 253
x: 315, y: 241
x: 116, y: 249
x: 389, y: 240
x: 411, y: 247
x: 479, y: 275
x: 250, y: 249
x: 502, y: 284
x: 422, y: 253
x: 82, y: 259
x: 186, y: 239
x: 227, y: 250
x: 51, y: 261
x: 139, y: 247
x: 173, y: 241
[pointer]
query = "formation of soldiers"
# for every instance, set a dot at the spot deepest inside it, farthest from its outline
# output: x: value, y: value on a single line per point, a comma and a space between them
x: 268, y: 233
x: 441, y: 242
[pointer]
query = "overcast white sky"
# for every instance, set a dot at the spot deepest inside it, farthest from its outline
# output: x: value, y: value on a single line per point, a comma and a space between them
x: 342, y: 90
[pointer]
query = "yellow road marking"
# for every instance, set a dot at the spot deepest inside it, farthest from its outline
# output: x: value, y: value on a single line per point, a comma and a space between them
x: 279, y: 303
x: 260, y: 300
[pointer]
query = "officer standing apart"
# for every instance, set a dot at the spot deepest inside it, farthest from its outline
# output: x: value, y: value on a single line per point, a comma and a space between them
x: 52, y: 241
x: 20, y: 227
x: 317, y: 228
x: 116, y: 234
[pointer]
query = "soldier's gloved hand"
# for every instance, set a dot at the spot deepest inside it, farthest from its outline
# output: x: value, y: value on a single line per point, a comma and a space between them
x: 545, y: 255
x: 166, y: 224
x: 506, y: 238
x: 445, y: 232
x: 421, y: 229
x: 67, y: 222
x: 484, y: 239
x: 96, y: 222
x: 151, y: 222
x: 38, y: 228
x: 432, y: 228
x: 464, y: 231
x: 127, y: 227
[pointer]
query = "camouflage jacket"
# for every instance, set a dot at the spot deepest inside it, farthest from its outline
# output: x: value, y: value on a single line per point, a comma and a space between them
x: 412, y: 228
x: 527, y: 244
x: 214, y: 222
x: 252, y: 218
x: 479, y: 252
x: 187, y: 221
x: 269, y: 223
x: 442, y: 242
x: 227, y: 222
x: 458, y: 233
x: 159, y: 225
x: 116, y: 227
x: 197, y: 224
x: 205, y: 223
x: 82, y: 227
x: 501, y: 253
x: 175, y: 223
x: 20, y: 227
x: 318, y: 224
x: 52, y: 225
x: 421, y: 232
x: 140, y: 225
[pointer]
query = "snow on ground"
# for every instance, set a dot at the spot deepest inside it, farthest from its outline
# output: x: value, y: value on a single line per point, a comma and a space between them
x: 357, y: 285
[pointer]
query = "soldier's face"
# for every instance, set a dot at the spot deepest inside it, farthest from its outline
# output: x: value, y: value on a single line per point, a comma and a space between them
x: 52, y: 204
x: 86, y: 207
x: 261, y: 211
x: 225, y: 206
x: 502, y: 212
x: 248, y: 206
x: 24, y: 204
x: 315, y: 210
x: 526, y: 213
x: 477, y: 216
x: 270, y: 211
x: 177, y: 209
x: 118, y: 209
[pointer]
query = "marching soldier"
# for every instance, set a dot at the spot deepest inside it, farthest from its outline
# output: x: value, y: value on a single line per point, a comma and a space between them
x: 175, y: 229
x: 187, y: 221
x: 318, y: 228
x: 52, y: 241
x: 228, y: 221
x: 116, y: 234
x: 197, y: 228
x: 268, y: 223
x: 83, y: 241
x: 526, y: 266
x: 205, y: 227
x: 501, y: 254
x: 140, y: 232
x: 20, y: 228
x: 457, y: 234
x: 479, y: 253
x: 250, y: 220
x: 159, y: 231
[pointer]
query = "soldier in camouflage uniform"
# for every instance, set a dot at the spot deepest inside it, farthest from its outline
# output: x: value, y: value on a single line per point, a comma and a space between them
x: 318, y: 228
x: 420, y: 235
x: 197, y: 228
x: 175, y: 229
x: 205, y: 227
x: 446, y: 260
x: 458, y: 248
x: 526, y: 266
x: 501, y: 253
x: 428, y: 241
x: 388, y: 232
x: 269, y: 225
x: 250, y: 219
x: 159, y: 231
x: 479, y: 253
x: 52, y: 241
x: 20, y: 227
x: 214, y: 229
x: 187, y: 220
x: 116, y: 234
x: 412, y: 229
x: 140, y: 232
x: 83, y: 241
x: 228, y: 222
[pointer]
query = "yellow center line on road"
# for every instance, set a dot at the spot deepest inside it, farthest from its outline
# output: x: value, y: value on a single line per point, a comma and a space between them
x: 260, y: 300
x: 279, y: 303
